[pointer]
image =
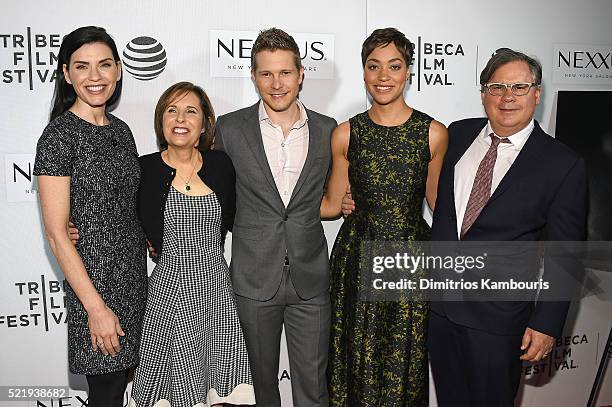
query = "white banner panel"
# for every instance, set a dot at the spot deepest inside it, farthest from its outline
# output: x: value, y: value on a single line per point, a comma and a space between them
x: 18, y: 172
x: 230, y: 53
x: 161, y: 43
x: 582, y: 64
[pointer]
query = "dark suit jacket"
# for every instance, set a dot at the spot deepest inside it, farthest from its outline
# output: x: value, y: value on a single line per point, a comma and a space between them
x: 543, y: 196
x: 264, y: 229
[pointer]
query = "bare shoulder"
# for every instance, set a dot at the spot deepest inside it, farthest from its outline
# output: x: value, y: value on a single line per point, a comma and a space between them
x: 438, y: 138
x: 341, y: 133
x: 343, y: 128
x: 340, y: 137
x: 437, y: 129
x: 437, y: 132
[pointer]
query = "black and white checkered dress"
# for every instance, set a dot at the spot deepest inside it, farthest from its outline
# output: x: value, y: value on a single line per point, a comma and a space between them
x: 193, y: 351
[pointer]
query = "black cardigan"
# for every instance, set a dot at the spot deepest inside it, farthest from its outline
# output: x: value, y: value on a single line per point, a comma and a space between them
x: 156, y: 177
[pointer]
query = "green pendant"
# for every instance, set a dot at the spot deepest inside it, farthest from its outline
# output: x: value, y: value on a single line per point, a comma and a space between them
x: 187, y: 187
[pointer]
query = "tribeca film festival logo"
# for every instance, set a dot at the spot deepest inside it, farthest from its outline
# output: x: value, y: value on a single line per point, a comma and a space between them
x: 563, y: 358
x: 230, y: 53
x: 28, y: 58
x: 433, y: 62
x: 582, y: 64
x: 144, y: 58
x: 19, y: 179
x: 45, y: 304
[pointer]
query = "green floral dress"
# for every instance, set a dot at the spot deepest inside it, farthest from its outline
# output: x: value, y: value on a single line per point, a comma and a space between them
x: 377, y: 354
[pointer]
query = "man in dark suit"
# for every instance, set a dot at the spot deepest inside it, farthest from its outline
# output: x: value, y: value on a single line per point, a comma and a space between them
x: 503, y: 179
x: 279, y: 267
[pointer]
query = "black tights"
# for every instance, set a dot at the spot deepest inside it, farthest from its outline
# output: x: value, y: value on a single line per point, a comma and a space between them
x: 107, y: 390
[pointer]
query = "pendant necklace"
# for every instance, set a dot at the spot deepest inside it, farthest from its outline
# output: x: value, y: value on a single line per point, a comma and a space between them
x: 187, y: 187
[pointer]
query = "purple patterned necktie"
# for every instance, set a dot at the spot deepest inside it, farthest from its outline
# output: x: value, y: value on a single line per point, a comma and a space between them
x: 481, y: 190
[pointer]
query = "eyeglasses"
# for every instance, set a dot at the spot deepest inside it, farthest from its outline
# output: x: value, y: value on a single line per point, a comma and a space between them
x: 517, y: 89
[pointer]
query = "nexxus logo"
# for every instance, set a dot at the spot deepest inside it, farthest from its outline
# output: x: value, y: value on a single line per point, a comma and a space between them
x: 18, y: 178
x: 241, y: 48
x: 144, y: 58
x: 32, y: 57
x: 584, y: 59
x: 230, y: 53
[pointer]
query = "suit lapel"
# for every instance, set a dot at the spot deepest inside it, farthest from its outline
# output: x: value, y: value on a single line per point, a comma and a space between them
x: 252, y: 133
x: 451, y: 194
x: 314, y: 145
x: 467, y: 141
x: 520, y: 167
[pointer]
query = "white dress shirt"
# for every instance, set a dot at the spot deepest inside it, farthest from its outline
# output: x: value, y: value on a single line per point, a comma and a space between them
x: 286, y: 155
x: 466, y: 167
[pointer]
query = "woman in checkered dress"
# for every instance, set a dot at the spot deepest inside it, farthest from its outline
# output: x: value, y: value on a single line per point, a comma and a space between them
x: 193, y: 351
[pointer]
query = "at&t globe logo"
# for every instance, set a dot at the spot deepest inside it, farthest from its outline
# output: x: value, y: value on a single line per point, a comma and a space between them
x: 144, y: 58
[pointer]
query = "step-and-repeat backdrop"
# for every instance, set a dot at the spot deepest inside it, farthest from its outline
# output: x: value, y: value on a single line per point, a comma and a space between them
x: 209, y: 43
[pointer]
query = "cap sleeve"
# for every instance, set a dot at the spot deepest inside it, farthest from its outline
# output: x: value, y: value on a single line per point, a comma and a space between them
x: 55, y: 152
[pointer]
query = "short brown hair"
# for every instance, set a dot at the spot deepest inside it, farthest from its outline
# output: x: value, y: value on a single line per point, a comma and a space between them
x: 172, y: 93
x: 382, y: 37
x: 273, y: 39
x: 505, y: 55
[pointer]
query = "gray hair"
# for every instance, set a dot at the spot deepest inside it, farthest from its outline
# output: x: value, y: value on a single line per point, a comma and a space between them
x: 504, y: 55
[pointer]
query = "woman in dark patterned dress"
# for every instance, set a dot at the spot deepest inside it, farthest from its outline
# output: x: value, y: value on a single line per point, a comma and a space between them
x: 88, y: 172
x: 391, y: 157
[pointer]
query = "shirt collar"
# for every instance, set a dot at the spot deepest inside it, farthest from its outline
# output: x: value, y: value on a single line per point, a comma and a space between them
x: 263, y: 115
x: 517, y: 139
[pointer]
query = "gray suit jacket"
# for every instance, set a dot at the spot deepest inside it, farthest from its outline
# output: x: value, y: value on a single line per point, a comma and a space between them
x: 263, y: 228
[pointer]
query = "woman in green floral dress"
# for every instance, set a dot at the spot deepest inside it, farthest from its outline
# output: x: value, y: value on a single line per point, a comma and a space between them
x: 391, y: 157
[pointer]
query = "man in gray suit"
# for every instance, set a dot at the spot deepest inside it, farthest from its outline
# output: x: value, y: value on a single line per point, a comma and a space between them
x: 280, y: 272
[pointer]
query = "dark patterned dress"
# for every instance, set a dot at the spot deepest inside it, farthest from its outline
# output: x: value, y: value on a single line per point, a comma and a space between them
x: 102, y: 162
x: 377, y: 354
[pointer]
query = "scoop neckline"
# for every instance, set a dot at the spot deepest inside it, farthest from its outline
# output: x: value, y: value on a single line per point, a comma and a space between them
x: 191, y: 196
x: 367, y: 113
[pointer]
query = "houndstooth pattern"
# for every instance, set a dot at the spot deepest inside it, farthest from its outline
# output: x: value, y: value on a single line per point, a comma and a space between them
x: 481, y: 189
x: 192, y: 341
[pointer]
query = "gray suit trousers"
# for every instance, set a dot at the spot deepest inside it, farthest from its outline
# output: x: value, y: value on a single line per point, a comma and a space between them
x: 307, y: 325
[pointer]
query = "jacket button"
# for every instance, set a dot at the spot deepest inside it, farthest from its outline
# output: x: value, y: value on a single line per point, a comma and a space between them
x: 286, y: 218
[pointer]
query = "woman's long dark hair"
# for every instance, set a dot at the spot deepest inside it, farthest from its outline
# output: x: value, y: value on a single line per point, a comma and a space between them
x: 64, y: 95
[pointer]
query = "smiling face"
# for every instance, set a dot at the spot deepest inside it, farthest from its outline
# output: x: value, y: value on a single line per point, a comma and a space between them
x: 385, y: 74
x: 509, y: 113
x: 93, y: 73
x: 277, y: 79
x: 182, y: 121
